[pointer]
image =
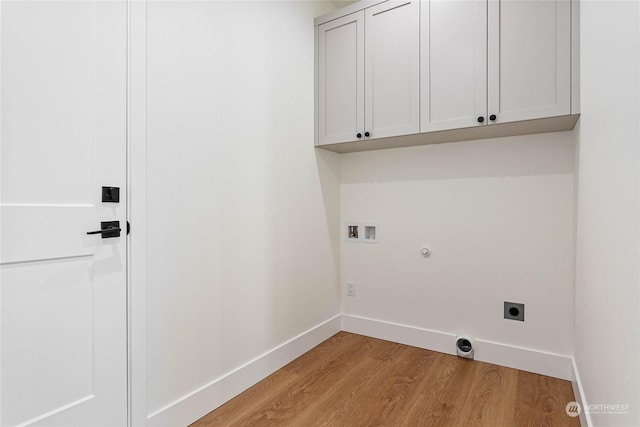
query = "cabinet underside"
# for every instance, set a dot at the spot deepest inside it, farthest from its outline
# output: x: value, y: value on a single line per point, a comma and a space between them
x: 550, y: 124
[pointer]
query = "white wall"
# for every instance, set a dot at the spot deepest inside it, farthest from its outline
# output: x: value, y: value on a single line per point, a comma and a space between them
x: 498, y: 216
x: 607, y: 268
x: 241, y: 210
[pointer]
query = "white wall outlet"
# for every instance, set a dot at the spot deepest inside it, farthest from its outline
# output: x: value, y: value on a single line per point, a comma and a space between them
x: 351, y: 289
x: 352, y: 232
x: 370, y: 233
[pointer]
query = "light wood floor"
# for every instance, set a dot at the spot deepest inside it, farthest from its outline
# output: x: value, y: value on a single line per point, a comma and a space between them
x: 352, y: 380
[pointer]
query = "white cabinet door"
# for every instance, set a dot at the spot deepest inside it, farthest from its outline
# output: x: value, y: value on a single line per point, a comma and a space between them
x: 63, y: 331
x: 529, y: 65
x: 453, y: 64
x: 341, y: 79
x: 392, y: 69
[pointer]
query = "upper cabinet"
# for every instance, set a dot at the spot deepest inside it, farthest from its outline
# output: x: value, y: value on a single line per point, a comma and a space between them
x: 487, y: 62
x: 368, y: 74
x: 454, y: 64
x: 340, y: 79
x: 392, y: 69
x: 529, y: 67
x: 443, y: 70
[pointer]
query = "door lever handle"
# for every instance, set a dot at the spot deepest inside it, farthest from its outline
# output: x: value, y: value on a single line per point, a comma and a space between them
x: 108, y: 229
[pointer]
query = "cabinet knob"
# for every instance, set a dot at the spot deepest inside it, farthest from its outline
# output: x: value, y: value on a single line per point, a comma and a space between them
x: 359, y: 135
x: 480, y: 119
x: 492, y: 117
x: 367, y: 134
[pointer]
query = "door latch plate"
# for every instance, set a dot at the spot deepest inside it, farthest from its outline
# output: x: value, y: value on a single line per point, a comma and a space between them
x: 106, y: 227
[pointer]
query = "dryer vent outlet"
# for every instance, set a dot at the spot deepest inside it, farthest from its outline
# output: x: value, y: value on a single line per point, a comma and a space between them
x: 464, y: 347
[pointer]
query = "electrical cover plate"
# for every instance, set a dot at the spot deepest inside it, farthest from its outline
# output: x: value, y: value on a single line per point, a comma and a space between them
x: 370, y: 233
x: 514, y: 311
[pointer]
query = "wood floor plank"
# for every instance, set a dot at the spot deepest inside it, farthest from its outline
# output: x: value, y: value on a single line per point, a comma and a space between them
x: 252, y: 399
x: 352, y: 380
x: 394, y: 388
x: 382, y: 350
x: 492, y: 396
x: 444, y: 393
x: 326, y: 352
x: 541, y: 401
x: 345, y: 395
x: 283, y: 408
x: 378, y: 395
x: 336, y: 406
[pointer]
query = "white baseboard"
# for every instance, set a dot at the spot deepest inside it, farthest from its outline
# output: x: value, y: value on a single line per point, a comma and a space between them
x: 578, y: 392
x: 403, y: 334
x: 525, y: 359
x: 198, y: 403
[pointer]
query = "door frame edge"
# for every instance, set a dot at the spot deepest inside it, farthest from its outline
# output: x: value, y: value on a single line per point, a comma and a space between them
x: 137, y: 411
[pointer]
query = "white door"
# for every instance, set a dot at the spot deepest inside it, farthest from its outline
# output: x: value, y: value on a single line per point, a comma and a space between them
x: 453, y: 64
x: 392, y: 69
x: 529, y: 59
x: 63, y: 357
x: 341, y: 79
